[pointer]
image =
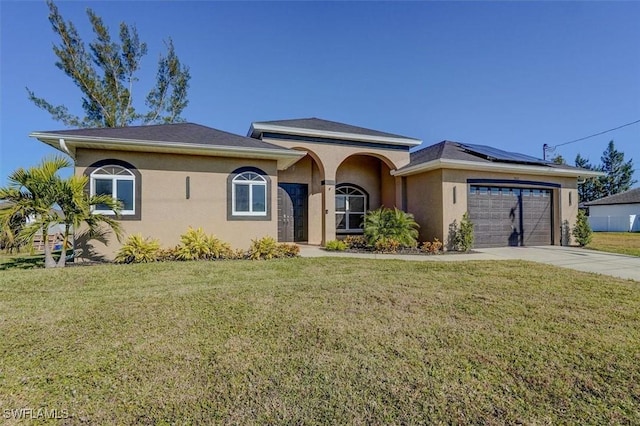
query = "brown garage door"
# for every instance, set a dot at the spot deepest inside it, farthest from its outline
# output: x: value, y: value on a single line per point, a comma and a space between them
x: 504, y: 216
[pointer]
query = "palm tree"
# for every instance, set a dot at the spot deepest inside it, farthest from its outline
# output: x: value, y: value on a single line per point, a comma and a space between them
x: 33, y: 193
x: 41, y: 195
x: 76, y: 205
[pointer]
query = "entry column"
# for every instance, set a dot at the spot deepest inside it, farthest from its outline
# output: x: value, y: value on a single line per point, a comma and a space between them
x: 329, y: 210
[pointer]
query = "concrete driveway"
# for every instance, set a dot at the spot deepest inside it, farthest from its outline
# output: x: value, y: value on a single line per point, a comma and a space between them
x: 616, y: 265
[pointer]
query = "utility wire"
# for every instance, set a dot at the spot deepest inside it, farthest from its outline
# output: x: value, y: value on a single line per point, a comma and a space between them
x: 595, y: 134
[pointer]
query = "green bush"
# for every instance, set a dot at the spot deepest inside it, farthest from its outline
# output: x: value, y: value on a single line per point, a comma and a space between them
x: 582, y: 231
x: 336, y: 245
x: 138, y: 249
x: 463, y: 234
x: 195, y: 244
x: 385, y: 224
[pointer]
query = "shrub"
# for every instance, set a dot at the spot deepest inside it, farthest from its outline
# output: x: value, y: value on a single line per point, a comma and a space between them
x: 582, y: 231
x: 355, y: 242
x: 167, y: 254
x: 385, y: 224
x: 263, y: 248
x: 336, y: 245
x: 388, y: 245
x: 138, y: 249
x: 464, y: 236
x: 287, y: 250
x: 434, y: 247
x: 195, y: 244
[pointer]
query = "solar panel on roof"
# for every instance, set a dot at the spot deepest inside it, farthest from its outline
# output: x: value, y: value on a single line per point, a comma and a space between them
x: 499, y: 155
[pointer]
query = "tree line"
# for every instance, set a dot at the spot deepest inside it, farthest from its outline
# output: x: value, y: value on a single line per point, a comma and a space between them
x: 618, y: 174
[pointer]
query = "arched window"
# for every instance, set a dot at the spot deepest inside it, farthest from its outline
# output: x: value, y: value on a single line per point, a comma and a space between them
x: 117, y: 182
x: 351, y: 205
x: 249, y: 194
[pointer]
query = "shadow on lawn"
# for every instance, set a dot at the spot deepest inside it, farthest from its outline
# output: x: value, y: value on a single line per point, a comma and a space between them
x: 27, y: 261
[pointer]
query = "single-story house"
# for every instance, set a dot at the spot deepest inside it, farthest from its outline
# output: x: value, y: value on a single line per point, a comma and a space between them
x: 312, y: 180
x: 616, y: 213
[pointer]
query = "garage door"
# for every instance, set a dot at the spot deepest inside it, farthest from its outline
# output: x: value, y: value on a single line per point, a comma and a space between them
x: 504, y: 216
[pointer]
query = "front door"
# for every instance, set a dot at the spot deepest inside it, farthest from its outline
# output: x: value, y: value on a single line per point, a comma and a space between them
x: 292, y: 212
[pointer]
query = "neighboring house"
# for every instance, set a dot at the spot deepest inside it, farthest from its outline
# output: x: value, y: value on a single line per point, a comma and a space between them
x: 616, y: 213
x: 312, y: 180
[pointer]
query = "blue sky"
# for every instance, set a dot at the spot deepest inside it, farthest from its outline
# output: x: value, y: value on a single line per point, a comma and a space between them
x: 513, y: 75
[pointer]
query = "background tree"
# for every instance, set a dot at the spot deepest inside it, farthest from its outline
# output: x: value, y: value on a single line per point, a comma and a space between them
x: 619, y: 174
x: 591, y: 188
x: 558, y: 159
x: 105, y: 74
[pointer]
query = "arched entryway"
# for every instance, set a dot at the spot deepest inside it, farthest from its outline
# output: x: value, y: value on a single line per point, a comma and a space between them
x: 363, y: 182
x: 300, y: 201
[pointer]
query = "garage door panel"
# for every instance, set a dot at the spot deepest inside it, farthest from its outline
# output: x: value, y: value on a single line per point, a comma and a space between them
x: 504, y: 216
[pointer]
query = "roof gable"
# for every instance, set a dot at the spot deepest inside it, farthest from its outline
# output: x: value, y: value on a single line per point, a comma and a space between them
x: 631, y: 196
x: 316, y: 127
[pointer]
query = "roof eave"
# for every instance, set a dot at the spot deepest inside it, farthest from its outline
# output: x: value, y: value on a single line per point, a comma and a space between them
x: 499, y: 167
x: 69, y: 144
x: 258, y: 128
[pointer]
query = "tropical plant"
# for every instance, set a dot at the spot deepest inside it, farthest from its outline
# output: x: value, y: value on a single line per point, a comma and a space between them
x: 384, y: 224
x: 431, y: 247
x: 336, y: 245
x: 105, y: 73
x: 195, y: 244
x: 356, y: 242
x: 582, y: 230
x: 76, y: 205
x: 387, y: 245
x: 38, y: 193
x: 287, y: 250
x: 9, y: 240
x: 263, y: 248
x: 33, y: 193
x: 138, y: 249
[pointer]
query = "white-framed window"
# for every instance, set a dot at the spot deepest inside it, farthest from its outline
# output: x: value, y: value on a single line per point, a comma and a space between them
x: 249, y: 194
x: 351, y: 205
x: 118, y: 182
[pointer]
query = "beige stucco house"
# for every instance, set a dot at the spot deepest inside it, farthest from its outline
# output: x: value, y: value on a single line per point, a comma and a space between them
x: 312, y: 180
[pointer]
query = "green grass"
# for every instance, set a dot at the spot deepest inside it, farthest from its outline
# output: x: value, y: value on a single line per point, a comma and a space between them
x: 321, y: 341
x: 616, y: 242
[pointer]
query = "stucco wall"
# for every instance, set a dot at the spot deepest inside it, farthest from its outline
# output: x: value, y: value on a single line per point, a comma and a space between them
x: 166, y: 213
x: 424, y: 201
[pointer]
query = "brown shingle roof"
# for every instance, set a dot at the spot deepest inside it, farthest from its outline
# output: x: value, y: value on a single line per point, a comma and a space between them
x: 631, y: 196
x: 449, y: 150
x: 314, y: 123
x: 188, y: 133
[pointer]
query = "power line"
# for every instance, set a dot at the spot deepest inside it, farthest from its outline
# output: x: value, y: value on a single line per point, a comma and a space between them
x: 595, y: 134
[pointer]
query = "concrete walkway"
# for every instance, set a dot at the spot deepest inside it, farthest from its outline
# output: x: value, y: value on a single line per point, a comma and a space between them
x: 616, y: 265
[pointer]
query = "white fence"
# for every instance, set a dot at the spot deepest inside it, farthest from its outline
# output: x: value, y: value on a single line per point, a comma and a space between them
x: 628, y: 223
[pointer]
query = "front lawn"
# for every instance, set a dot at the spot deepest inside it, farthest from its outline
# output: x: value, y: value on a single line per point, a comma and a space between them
x: 320, y: 341
x: 616, y: 242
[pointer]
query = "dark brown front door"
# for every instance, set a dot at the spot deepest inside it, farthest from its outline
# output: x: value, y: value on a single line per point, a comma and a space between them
x: 292, y: 212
